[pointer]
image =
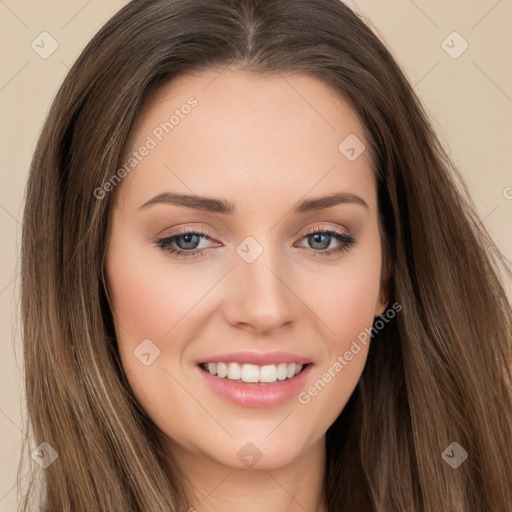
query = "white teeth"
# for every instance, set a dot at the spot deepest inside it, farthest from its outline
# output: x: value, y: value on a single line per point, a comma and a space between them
x: 234, y: 371
x: 268, y: 373
x: 252, y: 372
x: 222, y: 370
x: 282, y: 370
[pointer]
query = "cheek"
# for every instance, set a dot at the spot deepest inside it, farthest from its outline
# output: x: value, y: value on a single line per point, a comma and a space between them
x: 152, y: 301
x: 151, y: 298
x: 346, y: 296
x: 352, y: 307
x: 345, y: 301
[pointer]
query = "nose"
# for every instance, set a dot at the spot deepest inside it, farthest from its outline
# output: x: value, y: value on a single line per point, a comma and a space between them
x: 260, y: 297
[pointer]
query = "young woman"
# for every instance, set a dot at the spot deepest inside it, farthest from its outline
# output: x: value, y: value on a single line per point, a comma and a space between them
x: 253, y: 280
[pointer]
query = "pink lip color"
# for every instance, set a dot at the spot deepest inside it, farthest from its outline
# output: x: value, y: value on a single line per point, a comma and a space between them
x: 255, y: 394
x: 256, y: 358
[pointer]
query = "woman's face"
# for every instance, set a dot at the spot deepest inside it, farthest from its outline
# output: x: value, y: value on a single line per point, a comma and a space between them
x: 228, y: 169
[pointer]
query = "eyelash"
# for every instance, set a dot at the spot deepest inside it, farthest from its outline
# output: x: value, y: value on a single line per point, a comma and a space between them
x: 347, y: 242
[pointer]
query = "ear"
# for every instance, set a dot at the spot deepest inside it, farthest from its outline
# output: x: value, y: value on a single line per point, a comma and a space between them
x: 382, y: 303
x: 383, y: 299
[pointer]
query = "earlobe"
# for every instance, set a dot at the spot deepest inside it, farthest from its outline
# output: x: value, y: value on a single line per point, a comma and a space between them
x: 382, y: 303
x: 380, y: 311
x: 383, y: 299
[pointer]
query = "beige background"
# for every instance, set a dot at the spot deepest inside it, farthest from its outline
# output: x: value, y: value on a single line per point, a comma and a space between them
x: 469, y: 98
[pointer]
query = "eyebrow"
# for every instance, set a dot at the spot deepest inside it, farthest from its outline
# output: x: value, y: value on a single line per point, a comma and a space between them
x: 213, y: 205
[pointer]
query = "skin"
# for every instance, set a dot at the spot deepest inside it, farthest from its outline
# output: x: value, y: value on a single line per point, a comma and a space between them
x: 264, y: 144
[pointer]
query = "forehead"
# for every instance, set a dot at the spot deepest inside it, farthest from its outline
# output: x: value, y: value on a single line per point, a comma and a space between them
x: 229, y: 132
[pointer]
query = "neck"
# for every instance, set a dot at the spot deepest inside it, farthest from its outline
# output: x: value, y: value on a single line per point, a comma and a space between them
x: 296, y: 487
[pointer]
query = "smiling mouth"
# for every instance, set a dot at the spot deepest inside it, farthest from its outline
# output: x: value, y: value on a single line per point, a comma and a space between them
x: 254, y: 374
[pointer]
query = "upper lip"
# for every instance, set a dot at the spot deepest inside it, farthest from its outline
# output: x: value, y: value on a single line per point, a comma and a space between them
x: 256, y: 358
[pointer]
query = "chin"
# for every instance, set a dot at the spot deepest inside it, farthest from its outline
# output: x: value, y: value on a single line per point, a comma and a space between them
x: 251, y: 454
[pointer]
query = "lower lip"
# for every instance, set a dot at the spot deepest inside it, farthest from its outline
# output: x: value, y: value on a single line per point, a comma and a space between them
x: 255, y: 394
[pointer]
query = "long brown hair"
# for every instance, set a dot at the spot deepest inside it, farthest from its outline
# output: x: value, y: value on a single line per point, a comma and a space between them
x: 439, y: 373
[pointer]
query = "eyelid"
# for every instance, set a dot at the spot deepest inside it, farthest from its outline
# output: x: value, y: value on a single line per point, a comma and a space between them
x: 346, y: 240
x: 324, y: 227
x: 186, y: 230
x: 203, y: 231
